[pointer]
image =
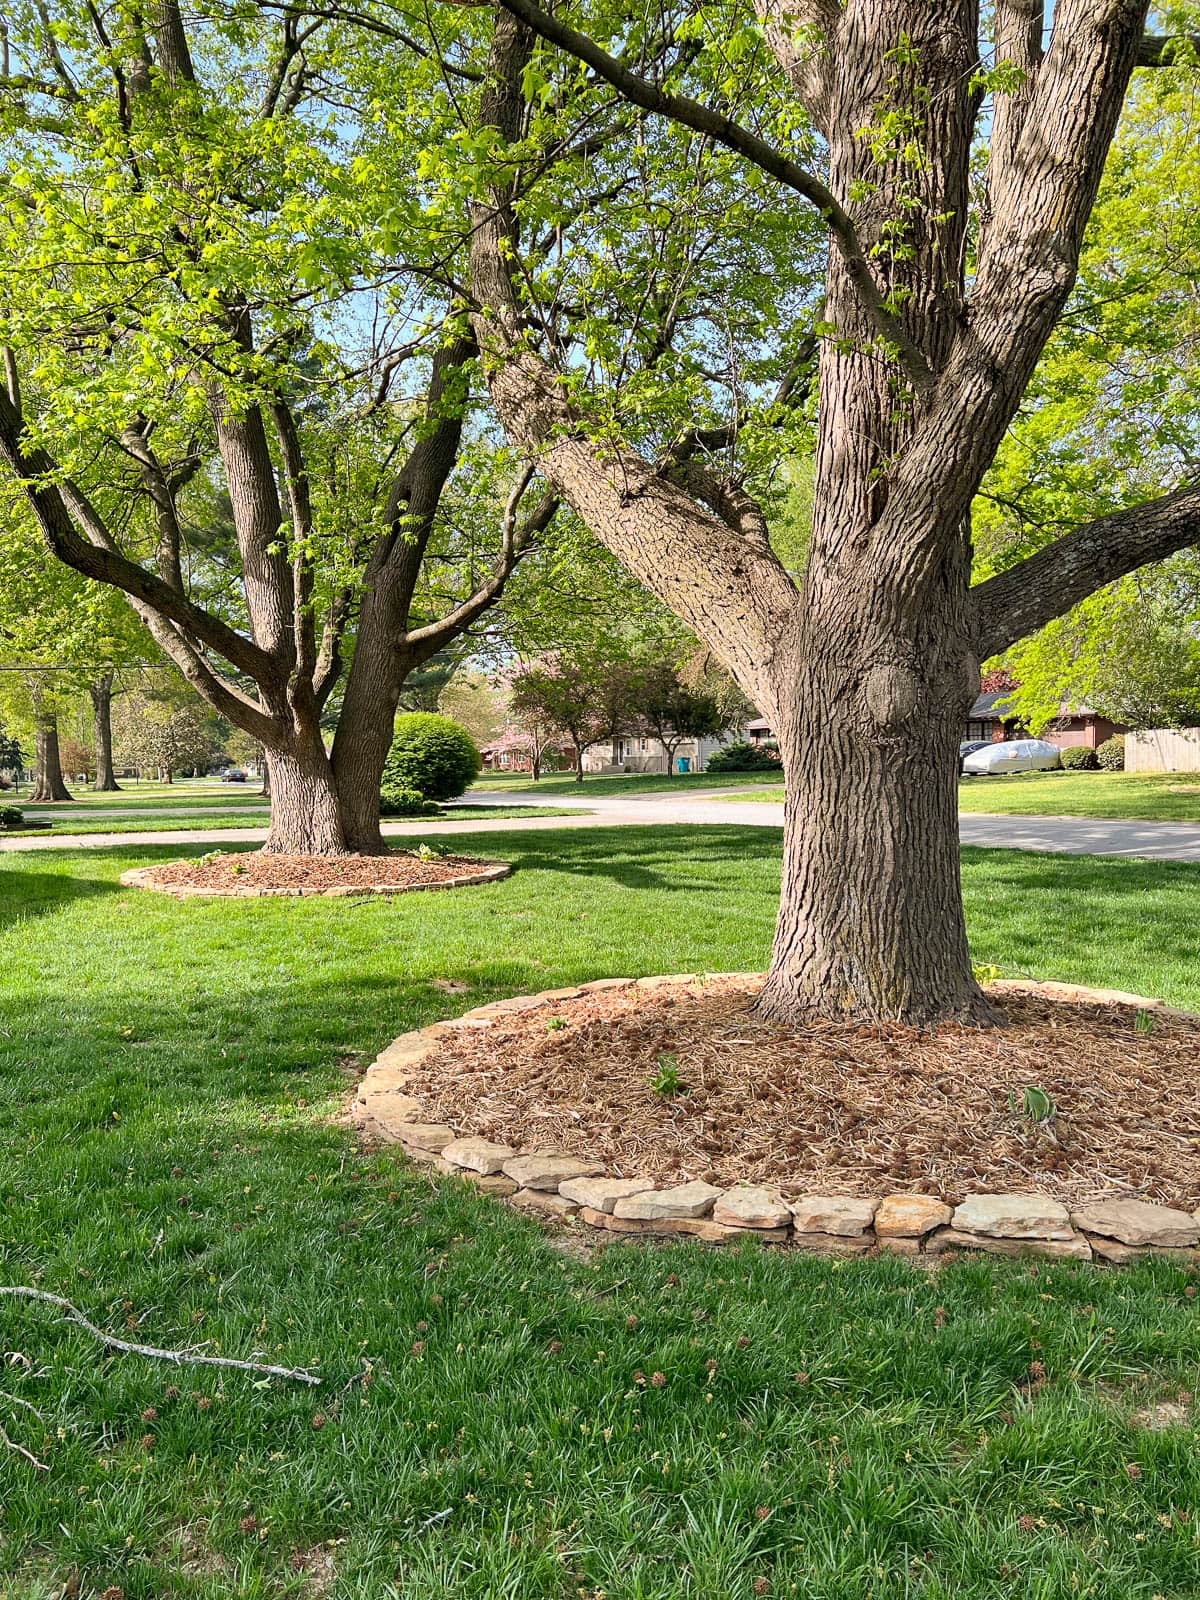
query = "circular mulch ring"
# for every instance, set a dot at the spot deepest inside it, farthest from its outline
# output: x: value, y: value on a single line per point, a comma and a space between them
x: 834, y: 1108
x: 253, y: 873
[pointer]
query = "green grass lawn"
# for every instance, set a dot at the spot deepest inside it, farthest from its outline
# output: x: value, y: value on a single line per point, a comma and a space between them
x: 148, y: 819
x: 634, y: 783
x: 186, y: 793
x: 1153, y: 797
x: 170, y: 1075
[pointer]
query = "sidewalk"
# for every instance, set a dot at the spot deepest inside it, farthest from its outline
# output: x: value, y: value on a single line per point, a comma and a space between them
x: 1155, y: 841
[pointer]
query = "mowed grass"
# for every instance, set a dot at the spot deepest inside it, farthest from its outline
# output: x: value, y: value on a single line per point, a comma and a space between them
x: 501, y: 1414
x: 1149, y: 796
x: 156, y: 818
x: 132, y: 795
x: 1133, y: 796
x: 623, y: 783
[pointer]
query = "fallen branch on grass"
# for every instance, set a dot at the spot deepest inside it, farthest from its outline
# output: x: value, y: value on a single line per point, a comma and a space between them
x: 11, y: 1444
x: 179, y: 1357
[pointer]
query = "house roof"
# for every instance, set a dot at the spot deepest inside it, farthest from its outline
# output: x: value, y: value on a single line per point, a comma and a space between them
x: 759, y: 725
x: 988, y: 705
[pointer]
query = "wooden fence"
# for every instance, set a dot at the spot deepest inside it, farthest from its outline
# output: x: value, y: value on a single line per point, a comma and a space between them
x: 1163, y: 750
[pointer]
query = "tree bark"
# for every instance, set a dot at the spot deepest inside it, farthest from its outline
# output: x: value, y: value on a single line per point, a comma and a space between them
x: 101, y: 693
x: 871, y: 921
x: 868, y: 672
x: 48, y: 779
x: 305, y: 815
x: 368, y: 716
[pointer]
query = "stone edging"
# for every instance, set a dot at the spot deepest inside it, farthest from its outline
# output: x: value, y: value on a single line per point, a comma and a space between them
x: 566, y: 1186
x: 143, y: 878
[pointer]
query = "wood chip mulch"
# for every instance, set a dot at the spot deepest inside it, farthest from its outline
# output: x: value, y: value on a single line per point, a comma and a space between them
x: 249, y: 870
x: 837, y: 1108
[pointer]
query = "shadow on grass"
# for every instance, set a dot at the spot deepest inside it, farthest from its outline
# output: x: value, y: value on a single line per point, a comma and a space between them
x: 26, y: 895
x: 635, y: 858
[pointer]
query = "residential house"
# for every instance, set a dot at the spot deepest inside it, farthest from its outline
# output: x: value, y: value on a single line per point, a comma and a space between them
x: 646, y: 753
x: 1080, y: 725
x: 988, y: 721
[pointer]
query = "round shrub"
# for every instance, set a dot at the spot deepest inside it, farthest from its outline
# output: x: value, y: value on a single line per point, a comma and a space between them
x: 1080, y: 758
x: 744, y: 758
x: 11, y: 816
x: 1111, y: 754
x: 432, y: 755
x: 405, y: 803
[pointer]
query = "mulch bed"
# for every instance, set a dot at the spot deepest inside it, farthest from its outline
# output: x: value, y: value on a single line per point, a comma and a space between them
x: 835, y: 1108
x: 255, y: 872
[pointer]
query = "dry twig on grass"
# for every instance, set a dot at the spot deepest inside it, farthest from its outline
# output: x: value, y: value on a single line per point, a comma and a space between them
x: 11, y: 1444
x: 179, y: 1357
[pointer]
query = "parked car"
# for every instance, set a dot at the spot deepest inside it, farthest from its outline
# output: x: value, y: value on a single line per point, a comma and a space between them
x: 968, y: 748
x: 234, y: 775
x: 1014, y: 755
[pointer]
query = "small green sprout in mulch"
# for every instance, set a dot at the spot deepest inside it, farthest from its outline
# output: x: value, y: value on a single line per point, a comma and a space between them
x: 666, y: 1081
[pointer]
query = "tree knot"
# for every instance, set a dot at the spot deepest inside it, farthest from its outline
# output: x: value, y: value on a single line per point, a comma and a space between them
x: 891, y: 692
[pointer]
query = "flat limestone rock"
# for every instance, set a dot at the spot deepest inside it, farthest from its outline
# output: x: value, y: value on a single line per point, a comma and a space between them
x: 1137, y: 1222
x: 542, y: 1200
x: 693, y: 1227
x: 434, y: 1136
x: 846, y: 1215
x: 910, y: 1216
x: 602, y: 1194
x: 479, y: 1155
x: 489, y: 1183
x: 900, y: 1245
x: 380, y: 1080
x: 751, y: 1206
x: 407, y: 1050
x: 836, y: 1244
x: 693, y: 1200
x: 548, y: 1169
x: 1013, y: 1216
x: 1122, y: 1254
x: 390, y: 1105
x: 1073, y: 1248
x: 509, y: 1008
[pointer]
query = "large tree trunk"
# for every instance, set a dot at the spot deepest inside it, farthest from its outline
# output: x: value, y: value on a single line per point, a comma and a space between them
x: 101, y: 693
x: 305, y: 819
x: 48, y: 779
x: 364, y: 730
x: 871, y: 921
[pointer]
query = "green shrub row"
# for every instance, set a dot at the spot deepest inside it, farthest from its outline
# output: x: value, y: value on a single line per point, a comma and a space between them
x: 745, y: 758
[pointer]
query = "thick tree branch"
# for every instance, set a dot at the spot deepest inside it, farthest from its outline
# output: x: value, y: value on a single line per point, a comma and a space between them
x: 162, y: 497
x: 732, y: 591
x: 1042, y: 197
x: 724, y: 131
x: 1162, y: 52
x: 1019, y: 25
x: 295, y: 474
x: 1046, y: 585
x: 802, y: 35
x: 516, y: 537
x: 737, y: 508
x: 35, y: 472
